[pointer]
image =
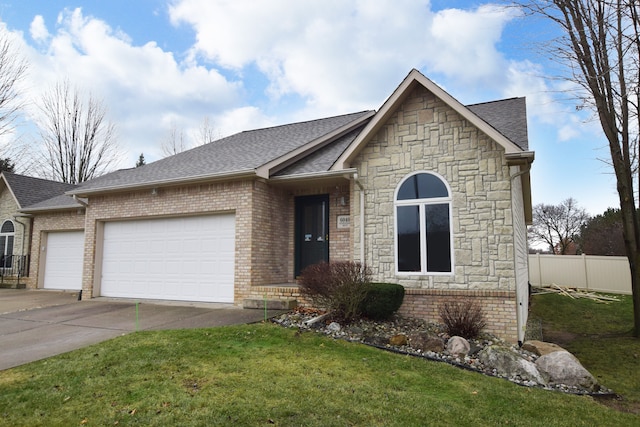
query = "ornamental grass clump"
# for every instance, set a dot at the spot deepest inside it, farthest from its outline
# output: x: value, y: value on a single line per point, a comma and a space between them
x: 339, y: 287
x: 462, y: 318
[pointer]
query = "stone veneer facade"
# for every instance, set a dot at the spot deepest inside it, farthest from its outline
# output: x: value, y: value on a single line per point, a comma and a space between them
x: 425, y: 134
x: 21, y: 225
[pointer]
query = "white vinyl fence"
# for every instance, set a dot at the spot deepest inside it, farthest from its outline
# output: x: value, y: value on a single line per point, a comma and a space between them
x: 589, y: 272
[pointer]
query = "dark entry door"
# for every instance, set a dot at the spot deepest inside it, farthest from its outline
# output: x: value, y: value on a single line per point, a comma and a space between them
x: 312, y: 231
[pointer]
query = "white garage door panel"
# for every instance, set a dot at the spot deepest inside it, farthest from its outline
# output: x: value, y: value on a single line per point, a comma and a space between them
x: 188, y: 259
x: 63, y: 260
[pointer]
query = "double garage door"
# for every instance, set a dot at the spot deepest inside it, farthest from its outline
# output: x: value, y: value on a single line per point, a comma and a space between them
x: 188, y: 258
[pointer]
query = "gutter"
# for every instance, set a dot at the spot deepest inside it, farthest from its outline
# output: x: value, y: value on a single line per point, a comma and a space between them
x: 347, y: 173
x: 520, y: 158
x: 150, y: 184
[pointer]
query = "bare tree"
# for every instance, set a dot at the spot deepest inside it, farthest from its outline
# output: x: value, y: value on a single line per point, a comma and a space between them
x: 558, y: 226
x: 600, y: 45
x: 206, y: 133
x: 13, y: 68
x: 78, y: 139
x: 175, y: 141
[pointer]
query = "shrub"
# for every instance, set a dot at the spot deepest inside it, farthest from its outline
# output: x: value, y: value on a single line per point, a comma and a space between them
x: 339, y: 287
x: 463, y: 318
x: 382, y: 300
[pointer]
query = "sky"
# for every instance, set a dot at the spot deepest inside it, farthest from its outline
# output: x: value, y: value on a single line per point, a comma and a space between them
x: 159, y: 65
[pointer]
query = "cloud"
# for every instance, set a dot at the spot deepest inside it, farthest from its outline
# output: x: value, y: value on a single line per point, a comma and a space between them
x: 255, y: 64
x: 38, y: 30
x: 138, y: 84
x: 340, y: 56
x: 466, y: 40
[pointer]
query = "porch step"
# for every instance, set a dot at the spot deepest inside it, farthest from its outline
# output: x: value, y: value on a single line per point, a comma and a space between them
x: 272, y: 304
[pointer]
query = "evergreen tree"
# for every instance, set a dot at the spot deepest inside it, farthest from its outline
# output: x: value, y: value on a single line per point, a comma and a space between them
x: 141, y: 161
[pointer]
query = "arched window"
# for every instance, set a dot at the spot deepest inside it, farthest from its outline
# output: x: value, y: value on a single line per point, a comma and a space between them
x: 423, y: 225
x: 7, y: 233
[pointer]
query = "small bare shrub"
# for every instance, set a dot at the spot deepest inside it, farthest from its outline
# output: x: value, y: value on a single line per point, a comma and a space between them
x: 462, y: 318
x: 339, y: 287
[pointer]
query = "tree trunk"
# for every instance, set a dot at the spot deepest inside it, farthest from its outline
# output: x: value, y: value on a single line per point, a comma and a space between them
x: 635, y: 287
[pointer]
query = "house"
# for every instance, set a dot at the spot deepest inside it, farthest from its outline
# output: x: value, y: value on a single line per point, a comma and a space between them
x: 16, y: 192
x: 429, y: 193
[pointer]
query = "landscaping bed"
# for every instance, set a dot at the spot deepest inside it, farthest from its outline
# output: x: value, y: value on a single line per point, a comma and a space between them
x: 410, y: 336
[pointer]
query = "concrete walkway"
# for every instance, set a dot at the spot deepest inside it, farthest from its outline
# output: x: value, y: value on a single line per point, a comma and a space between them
x: 36, y: 324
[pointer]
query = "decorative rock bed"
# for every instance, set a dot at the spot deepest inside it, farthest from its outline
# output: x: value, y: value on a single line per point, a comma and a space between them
x: 535, y: 364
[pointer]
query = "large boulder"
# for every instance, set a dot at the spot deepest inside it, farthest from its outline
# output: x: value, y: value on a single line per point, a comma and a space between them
x: 508, y: 363
x: 398, y: 340
x: 458, y: 346
x: 562, y: 367
x: 426, y: 342
x: 540, y: 348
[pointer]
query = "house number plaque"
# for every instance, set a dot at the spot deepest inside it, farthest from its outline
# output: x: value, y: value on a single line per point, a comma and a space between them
x: 344, y: 221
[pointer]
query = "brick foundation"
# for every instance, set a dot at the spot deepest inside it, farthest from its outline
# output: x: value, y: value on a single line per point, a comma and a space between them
x: 499, y: 308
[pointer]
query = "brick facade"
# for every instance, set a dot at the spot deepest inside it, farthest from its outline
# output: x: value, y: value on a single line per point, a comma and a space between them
x: 203, y: 199
x: 264, y: 215
x: 499, y: 307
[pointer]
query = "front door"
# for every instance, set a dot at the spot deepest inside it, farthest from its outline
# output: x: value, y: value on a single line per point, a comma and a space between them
x: 312, y: 231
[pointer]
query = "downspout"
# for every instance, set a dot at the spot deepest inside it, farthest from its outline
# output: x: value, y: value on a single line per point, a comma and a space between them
x: 80, y: 201
x: 359, y: 184
x: 522, y: 172
x: 24, y: 232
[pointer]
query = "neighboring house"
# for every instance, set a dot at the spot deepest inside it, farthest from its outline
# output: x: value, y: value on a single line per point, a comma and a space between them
x: 17, y: 192
x: 429, y: 193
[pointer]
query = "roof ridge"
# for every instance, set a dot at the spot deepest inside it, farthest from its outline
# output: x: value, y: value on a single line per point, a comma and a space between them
x: 495, y: 100
x: 6, y: 173
x: 305, y: 121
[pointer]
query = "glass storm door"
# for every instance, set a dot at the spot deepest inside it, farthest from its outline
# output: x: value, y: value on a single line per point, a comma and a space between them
x: 312, y: 231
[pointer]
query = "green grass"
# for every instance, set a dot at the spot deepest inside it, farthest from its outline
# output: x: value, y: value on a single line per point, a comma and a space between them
x: 267, y: 375
x: 600, y: 335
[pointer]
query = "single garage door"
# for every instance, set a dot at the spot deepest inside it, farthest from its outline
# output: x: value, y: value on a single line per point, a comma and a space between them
x: 63, y: 260
x: 188, y: 259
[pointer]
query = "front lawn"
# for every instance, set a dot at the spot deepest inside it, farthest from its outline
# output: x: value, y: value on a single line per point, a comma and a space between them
x: 266, y: 375
x: 600, y: 336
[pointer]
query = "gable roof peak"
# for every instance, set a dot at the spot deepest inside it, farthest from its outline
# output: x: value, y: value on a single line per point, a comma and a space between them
x: 29, y: 190
x: 398, y: 96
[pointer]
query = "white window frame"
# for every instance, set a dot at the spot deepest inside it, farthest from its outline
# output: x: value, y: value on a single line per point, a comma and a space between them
x: 5, y: 236
x: 421, y: 203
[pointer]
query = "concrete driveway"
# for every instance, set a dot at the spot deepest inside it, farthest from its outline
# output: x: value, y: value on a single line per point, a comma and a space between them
x: 36, y: 324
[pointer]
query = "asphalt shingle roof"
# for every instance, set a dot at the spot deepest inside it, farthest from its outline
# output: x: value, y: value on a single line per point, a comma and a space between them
x: 55, y: 203
x: 324, y: 158
x: 249, y: 150
x: 29, y: 190
x: 507, y: 116
x: 243, y: 151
